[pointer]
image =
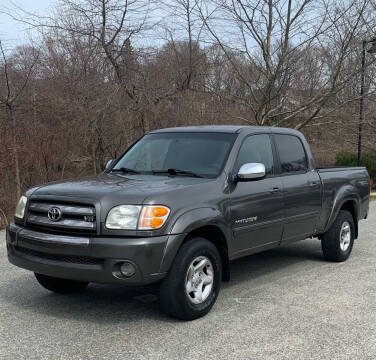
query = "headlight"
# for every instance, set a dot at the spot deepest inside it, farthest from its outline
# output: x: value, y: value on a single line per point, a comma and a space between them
x: 123, y: 217
x: 133, y: 217
x: 20, y: 209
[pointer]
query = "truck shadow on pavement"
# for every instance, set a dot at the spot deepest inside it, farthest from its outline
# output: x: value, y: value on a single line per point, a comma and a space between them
x: 271, y: 262
x: 118, y: 304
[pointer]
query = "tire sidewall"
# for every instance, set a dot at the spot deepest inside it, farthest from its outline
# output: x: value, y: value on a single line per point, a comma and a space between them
x: 213, y: 256
x: 331, y: 240
x: 346, y: 217
x: 177, y: 302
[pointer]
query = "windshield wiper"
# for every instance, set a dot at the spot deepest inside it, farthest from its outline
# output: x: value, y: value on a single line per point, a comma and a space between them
x: 126, y: 170
x: 177, y: 172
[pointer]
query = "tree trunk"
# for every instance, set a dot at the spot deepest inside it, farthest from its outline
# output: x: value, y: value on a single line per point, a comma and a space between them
x: 12, y: 120
x: 93, y: 157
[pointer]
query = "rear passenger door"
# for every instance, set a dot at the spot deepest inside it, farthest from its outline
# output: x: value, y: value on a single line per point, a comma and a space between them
x: 301, y: 188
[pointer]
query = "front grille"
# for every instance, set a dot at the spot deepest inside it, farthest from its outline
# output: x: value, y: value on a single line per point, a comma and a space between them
x: 62, y: 216
x: 73, y: 259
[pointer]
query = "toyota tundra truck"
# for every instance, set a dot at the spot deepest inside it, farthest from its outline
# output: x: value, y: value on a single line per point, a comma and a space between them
x: 179, y: 205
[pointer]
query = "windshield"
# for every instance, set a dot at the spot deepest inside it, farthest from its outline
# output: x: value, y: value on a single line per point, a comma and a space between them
x: 197, y: 153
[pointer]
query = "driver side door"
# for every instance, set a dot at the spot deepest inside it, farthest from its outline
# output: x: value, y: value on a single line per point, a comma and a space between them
x: 257, y: 205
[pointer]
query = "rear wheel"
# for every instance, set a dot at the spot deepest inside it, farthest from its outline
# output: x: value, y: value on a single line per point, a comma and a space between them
x: 338, y: 241
x: 192, y: 285
x: 60, y: 286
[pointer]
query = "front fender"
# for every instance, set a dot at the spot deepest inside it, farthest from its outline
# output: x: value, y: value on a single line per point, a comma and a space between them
x: 188, y: 222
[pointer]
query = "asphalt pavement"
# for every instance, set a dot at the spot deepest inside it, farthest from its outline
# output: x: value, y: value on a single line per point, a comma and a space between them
x: 287, y: 303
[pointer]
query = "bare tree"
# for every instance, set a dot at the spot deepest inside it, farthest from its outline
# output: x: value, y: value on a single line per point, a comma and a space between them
x: 12, y: 93
x: 101, y: 73
x: 265, y: 43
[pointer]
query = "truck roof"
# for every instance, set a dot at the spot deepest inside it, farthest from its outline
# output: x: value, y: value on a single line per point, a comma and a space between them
x: 225, y: 129
x: 203, y: 128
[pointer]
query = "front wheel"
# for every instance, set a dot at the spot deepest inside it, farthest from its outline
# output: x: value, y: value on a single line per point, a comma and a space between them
x: 60, y: 286
x: 338, y: 241
x: 192, y: 285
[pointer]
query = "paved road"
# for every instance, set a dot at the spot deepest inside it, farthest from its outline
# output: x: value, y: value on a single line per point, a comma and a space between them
x: 282, y: 304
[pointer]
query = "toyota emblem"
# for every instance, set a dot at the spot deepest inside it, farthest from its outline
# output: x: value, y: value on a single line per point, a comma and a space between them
x: 54, y: 214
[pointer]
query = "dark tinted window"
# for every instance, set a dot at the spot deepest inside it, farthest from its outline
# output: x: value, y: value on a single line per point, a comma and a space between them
x: 202, y: 153
x: 291, y: 153
x: 256, y: 149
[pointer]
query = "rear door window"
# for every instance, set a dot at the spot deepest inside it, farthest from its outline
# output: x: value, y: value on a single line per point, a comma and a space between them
x: 291, y: 153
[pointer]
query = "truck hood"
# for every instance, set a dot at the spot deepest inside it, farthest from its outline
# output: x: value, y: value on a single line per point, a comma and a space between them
x: 129, y: 189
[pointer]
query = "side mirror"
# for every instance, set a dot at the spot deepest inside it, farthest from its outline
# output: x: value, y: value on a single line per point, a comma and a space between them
x: 109, y: 164
x: 251, y: 171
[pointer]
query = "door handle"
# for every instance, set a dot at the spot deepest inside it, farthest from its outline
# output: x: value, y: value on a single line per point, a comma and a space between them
x: 313, y: 183
x: 274, y: 190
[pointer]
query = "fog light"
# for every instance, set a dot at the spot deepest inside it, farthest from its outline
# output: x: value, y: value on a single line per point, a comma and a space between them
x: 127, y: 269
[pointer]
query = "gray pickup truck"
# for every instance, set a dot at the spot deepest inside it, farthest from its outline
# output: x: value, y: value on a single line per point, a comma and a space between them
x: 179, y: 205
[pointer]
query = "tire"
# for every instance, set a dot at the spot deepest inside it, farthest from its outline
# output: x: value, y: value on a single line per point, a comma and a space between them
x: 335, y: 249
x: 60, y: 286
x: 185, y: 274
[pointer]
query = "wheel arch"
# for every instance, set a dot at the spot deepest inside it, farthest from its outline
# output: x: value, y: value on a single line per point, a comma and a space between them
x: 207, y: 223
x: 351, y: 204
x: 215, y: 235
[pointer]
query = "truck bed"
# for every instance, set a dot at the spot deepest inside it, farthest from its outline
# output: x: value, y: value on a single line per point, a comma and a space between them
x: 351, y: 182
x: 322, y: 169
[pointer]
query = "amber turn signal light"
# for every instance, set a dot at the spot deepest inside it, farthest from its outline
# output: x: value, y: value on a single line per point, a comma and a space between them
x: 153, y: 217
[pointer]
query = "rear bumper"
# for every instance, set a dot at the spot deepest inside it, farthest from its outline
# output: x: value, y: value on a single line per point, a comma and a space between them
x: 91, y: 259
